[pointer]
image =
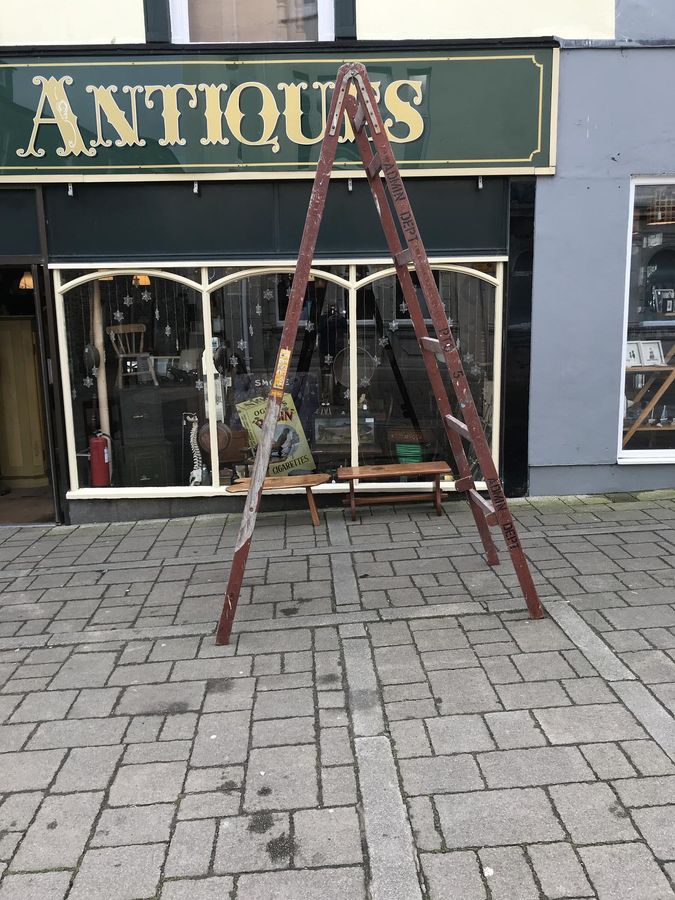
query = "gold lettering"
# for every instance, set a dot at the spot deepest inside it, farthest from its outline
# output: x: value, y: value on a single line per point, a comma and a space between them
x: 213, y: 114
x: 127, y: 134
x: 403, y: 111
x: 269, y: 113
x: 293, y: 111
x: 54, y: 92
x: 170, y: 111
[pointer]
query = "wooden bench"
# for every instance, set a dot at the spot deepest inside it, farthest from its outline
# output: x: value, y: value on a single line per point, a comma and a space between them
x: 284, y: 482
x: 370, y: 473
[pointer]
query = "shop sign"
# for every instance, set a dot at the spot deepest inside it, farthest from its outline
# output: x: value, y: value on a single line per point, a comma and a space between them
x: 466, y: 111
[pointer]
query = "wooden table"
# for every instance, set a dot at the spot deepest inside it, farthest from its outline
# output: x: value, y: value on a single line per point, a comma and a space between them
x: 284, y: 482
x: 397, y: 470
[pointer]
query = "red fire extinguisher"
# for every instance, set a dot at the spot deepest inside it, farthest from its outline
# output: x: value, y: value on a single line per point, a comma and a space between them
x: 99, y: 460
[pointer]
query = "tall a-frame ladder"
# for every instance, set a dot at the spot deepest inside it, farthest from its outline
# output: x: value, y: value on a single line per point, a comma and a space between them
x: 353, y: 96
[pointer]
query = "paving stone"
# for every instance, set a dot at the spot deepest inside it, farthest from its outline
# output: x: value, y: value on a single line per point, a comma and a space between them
x: 277, y: 732
x: 486, y: 818
x: 512, y: 730
x: 215, y: 888
x: 440, y: 774
x: 338, y: 784
x: 283, y: 704
x: 36, y: 886
x: 59, y: 833
x: 546, y: 666
x: 258, y: 842
x: 335, y: 747
x: 651, y: 666
x: 641, y: 617
x: 85, y: 670
x: 608, y: 761
x: 511, y: 876
x: 281, y: 778
x: 421, y: 814
x: 318, y: 884
x: 538, y: 635
x: 274, y: 642
x: 222, y: 738
x: 29, y: 770
x: 453, y: 875
x: 648, y: 757
x: 559, y: 871
x: 224, y: 694
x: 17, y: 810
x: 94, y: 703
x: 581, y: 724
x: 592, y: 814
x: 133, y: 825
x: 190, y: 848
x: 463, y: 691
x: 329, y: 836
x: 161, y: 699
x: 410, y: 738
x: 532, y: 694
x: 44, y: 705
x: 459, y: 734
x: 541, y: 765
x: 657, y: 825
x: 179, y: 727
x: 625, y: 872
x: 220, y: 667
x: 148, y: 783
x: 79, y: 733
x: 119, y: 873
x: 646, y: 791
x: 398, y: 665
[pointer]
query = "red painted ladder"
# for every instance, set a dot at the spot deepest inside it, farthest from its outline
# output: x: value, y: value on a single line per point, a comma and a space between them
x: 353, y: 96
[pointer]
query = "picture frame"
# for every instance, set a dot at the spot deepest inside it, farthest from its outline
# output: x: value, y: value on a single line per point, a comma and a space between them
x: 651, y: 353
x: 633, y: 357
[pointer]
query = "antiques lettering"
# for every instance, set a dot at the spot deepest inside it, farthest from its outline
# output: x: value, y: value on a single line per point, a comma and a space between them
x: 250, y: 113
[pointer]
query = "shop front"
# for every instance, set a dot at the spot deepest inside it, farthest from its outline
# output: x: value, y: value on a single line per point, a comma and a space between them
x: 174, y: 193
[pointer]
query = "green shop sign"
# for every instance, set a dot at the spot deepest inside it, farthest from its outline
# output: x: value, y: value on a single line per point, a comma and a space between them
x: 476, y: 111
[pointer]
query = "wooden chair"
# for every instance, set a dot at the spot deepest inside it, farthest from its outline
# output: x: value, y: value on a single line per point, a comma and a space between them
x: 127, y: 341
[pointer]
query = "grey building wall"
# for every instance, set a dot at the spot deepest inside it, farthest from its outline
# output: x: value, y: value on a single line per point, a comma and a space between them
x: 645, y: 20
x: 616, y: 119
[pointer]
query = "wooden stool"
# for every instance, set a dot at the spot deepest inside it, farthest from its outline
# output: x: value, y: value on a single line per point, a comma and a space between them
x: 396, y: 470
x: 284, y: 482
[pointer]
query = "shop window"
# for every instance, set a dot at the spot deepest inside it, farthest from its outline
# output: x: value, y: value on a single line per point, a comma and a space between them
x: 313, y: 432
x: 233, y: 21
x: 134, y: 345
x: 398, y: 417
x: 648, y: 426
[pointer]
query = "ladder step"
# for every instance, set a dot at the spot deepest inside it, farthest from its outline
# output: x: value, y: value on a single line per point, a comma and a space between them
x: 374, y: 166
x: 485, y: 505
x: 359, y: 118
x: 464, y: 484
x: 458, y: 426
x: 403, y: 257
x: 431, y: 345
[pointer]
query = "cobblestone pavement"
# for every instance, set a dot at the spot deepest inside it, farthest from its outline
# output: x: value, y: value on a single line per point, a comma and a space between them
x: 386, y: 721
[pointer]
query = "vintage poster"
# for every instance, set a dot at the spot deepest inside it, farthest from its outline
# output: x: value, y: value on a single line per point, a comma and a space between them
x: 290, y: 450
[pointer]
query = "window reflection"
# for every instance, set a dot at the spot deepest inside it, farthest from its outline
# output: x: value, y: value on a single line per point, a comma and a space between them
x: 253, y: 20
x: 649, y: 385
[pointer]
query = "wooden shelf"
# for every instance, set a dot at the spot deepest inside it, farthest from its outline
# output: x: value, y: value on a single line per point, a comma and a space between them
x: 650, y: 369
x: 651, y: 428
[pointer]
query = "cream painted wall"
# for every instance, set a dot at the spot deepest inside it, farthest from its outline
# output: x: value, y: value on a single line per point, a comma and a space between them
x: 36, y: 22
x: 405, y: 19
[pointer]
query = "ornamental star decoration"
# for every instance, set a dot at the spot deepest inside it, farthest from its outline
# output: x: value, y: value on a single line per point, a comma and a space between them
x: 393, y: 325
x: 118, y: 315
x: 268, y: 294
x: 146, y: 296
x: 128, y: 300
x: 242, y: 344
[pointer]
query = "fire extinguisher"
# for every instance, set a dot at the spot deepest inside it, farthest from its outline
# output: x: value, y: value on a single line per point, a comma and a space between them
x: 99, y: 460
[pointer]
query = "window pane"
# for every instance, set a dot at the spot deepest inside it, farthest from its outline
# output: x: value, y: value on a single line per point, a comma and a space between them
x: 649, y: 402
x: 135, y: 348
x: 247, y: 318
x: 253, y: 20
x: 398, y: 417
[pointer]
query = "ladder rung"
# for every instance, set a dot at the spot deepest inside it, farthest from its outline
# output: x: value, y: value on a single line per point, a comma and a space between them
x: 403, y: 257
x: 431, y: 345
x: 485, y: 505
x: 464, y: 484
x: 374, y: 166
x: 458, y: 426
x: 359, y: 117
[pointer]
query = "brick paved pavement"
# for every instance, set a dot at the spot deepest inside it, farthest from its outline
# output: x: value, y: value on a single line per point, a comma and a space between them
x: 386, y: 722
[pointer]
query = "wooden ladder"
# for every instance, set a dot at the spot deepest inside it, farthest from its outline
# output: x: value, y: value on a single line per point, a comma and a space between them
x: 354, y: 96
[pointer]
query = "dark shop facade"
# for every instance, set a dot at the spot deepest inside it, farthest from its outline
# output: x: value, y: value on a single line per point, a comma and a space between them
x: 151, y: 208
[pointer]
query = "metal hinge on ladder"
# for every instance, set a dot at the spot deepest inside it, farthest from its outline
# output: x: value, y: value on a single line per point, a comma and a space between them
x: 406, y: 248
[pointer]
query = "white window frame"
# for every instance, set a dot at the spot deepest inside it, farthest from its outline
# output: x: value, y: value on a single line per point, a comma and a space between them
x: 238, y: 270
x: 636, y: 457
x: 180, y: 22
